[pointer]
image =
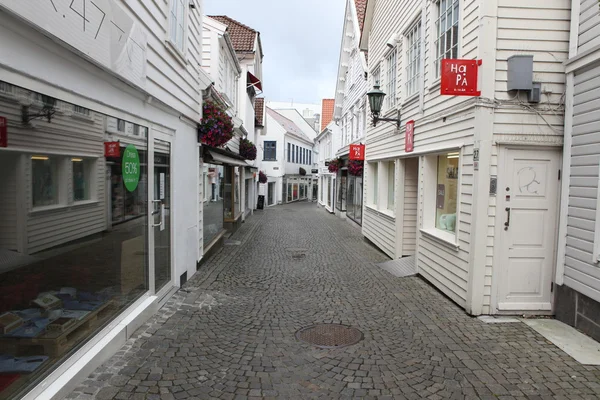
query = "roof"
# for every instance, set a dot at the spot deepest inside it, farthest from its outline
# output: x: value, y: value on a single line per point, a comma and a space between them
x: 242, y: 36
x: 327, y: 112
x: 288, y: 125
x: 259, y: 111
x: 361, y: 10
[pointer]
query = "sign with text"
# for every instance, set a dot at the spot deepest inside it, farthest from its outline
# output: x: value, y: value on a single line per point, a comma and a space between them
x: 357, y: 152
x: 112, y: 150
x: 131, y: 168
x: 409, y: 137
x: 3, y: 132
x: 459, y: 77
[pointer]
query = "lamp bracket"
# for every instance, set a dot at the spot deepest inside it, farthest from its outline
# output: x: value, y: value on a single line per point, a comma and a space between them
x: 397, y: 120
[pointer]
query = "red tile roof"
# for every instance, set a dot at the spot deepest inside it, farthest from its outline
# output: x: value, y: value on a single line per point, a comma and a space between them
x: 361, y: 10
x: 327, y: 112
x: 243, y: 37
x: 259, y: 110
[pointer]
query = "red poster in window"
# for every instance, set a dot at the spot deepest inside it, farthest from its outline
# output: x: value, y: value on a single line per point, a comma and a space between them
x: 409, y: 137
x: 459, y: 77
x: 112, y: 149
x: 3, y: 132
x: 357, y: 152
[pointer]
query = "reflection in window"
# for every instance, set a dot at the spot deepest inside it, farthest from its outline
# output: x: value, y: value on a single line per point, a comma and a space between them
x: 44, y: 188
x: 446, y: 191
x: 81, y: 181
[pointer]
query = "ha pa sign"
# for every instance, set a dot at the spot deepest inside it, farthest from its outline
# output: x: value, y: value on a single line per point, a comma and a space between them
x: 357, y: 152
x: 459, y: 77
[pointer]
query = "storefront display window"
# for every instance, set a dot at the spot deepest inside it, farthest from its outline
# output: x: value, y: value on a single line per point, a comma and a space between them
x: 354, y: 198
x: 44, y: 185
x: 67, y: 272
x: 289, y: 192
x: 231, y: 193
x: 391, y: 185
x: 271, y: 193
x: 295, y: 191
x: 341, y: 190
x: 446, y: 191
x: 213, y: 204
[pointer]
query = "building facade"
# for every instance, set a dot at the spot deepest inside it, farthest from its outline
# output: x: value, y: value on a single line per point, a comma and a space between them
x: 96, y: 151
x: 327, y: 143
x: 474, y: 197
x: 577, y: 292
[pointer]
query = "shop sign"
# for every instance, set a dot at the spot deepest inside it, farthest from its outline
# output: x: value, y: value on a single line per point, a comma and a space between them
x: 409, y: 137
x: 314, y: 171
x: 459, y: 77
x: 112, y: 149
x: 476, y: 159
x: 131, y: 168
x: 3, y: 132
x: 357, y: 152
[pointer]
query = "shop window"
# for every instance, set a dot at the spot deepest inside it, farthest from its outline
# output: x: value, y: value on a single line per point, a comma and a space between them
x: 446, y: 40
x: 270, y: 149
x: 391, y: 184
x: 447, y: 192
x: 373, y: 181
x: 82, y: 179
x: 231, y: 196
x: 44, y: 184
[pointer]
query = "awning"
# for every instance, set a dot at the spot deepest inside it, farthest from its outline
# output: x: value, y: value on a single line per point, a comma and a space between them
x: 251, y: 166
x: 254, y: 81
x: 223, y: 159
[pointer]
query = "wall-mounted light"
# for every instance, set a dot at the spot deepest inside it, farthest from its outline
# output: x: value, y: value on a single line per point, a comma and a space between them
x: 376, y: 97
x: 77, y: 159
x: 43, y: 158
x: 453, y: 155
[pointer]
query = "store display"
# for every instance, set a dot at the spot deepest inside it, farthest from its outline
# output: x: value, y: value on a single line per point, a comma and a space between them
x: 9, y: 322
x: 10, y: 364
x: 61, y: 324
x: 48, y: 302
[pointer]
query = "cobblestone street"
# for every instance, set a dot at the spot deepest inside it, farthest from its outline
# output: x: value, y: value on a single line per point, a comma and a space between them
x: 230, y: 332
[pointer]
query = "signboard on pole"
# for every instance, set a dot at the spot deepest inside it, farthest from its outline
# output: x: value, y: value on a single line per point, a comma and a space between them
x: 459, y: 77
x: 409, y: 137
x: 112, y: 150
x: 3, y: 132
x: 357, y: 152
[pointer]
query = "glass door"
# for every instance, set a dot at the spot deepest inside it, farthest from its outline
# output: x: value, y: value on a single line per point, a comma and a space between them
x: 161, y: 211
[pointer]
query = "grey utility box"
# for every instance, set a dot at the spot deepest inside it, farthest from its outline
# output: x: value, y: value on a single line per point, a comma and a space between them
x: 520, y: 72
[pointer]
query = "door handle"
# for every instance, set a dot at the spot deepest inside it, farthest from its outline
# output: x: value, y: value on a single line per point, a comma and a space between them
x: 507, y: 223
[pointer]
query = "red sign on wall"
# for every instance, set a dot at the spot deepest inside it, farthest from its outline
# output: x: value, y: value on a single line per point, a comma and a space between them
x: 409, y: 137
x: 112, y: 149
x: 3, y: 132
x: 357, y: 152
x: 459, y: 77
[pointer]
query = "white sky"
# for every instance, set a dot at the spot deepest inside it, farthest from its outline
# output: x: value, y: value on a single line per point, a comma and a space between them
x: 301, y: 40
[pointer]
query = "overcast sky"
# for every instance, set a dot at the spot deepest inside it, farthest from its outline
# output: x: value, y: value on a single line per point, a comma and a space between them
x: 301, y: 40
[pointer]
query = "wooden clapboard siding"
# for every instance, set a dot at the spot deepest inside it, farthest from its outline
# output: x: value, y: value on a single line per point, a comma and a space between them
x: 379, y: 229
x: 581, y: 271
x: 409, y: 225
x: 201, y: 194
x: 8, y: 200
x: 491, y: 226
x: 589, y: 25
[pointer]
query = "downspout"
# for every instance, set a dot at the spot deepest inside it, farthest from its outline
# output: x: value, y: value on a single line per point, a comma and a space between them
x: 567, y: 142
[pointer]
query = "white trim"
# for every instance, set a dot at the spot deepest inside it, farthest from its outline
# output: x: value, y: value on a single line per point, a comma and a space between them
x: 525, y: 306
x: 400, y: 209
x: 433, y: 150
x: 596, y: 251
x: 583, y: 60
x: 445, y: 238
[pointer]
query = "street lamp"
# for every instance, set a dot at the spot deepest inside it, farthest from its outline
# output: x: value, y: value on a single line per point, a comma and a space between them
x: 375, y: 102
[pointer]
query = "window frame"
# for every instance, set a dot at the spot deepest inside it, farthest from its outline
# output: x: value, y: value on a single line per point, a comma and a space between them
x: 391, y: 83
x: 438, y: 35
x: 183, y: 49
x: 289, y: 152
x: 373, y: 174
x: 57, y: 169
x: 270, y: 145
x: 89, y: 169
x: 413, y: 57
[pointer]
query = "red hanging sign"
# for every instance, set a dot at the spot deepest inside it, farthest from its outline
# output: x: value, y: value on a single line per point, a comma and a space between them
x: 459, y: 77
x: 357, y: 152
x: 3, y: 132
x: 409, y: 137
x: 112, y: 150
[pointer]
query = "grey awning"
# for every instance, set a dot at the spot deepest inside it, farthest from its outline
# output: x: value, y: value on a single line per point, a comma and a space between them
x: 221, y: 158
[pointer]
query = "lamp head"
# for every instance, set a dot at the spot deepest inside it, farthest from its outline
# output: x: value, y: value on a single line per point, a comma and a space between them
x: 376, y: 97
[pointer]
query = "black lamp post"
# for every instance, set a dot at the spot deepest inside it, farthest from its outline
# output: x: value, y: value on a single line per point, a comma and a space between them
x: 375, y: 102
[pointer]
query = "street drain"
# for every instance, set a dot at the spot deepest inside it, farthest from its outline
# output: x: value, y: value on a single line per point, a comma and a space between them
x: 330, y: 335
x: 298, y: 253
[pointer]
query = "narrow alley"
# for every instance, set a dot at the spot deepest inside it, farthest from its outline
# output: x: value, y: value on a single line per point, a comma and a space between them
x: 230, y: 332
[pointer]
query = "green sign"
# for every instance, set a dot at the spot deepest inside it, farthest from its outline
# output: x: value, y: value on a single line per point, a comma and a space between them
x: 131, y: 167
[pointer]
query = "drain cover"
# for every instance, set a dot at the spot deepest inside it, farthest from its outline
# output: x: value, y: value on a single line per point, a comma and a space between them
x: 330, y: 335
x: 298, y: 253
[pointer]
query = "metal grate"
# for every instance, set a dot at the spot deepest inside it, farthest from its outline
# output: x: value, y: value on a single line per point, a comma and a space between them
x: 298, y: 253
x: 330, y: 335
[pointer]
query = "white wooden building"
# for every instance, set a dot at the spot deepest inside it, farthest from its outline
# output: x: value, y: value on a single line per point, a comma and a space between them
x: 577, y: 277
x: 71, y: 214
x: 478, y: 162
x: 327, y: 143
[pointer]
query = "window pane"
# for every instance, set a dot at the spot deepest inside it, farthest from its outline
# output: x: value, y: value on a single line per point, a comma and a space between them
x: 44, y: 173
x: 391, y: 184
x: 81, y: 176
x: 447, y: 191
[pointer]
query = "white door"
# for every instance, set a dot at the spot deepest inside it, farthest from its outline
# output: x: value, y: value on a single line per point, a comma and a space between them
x: 527, y: 215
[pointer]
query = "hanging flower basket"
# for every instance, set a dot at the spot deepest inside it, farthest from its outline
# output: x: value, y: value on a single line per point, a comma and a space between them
x: 262, y: 177
x: 247, y: 149
x: 215, y: 128
x: 355, y: 167
x: 335, y: 165
x: 302, y: 171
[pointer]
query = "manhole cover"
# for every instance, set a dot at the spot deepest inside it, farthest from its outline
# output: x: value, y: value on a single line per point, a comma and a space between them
x: 330, y: 335
x: 298, y: 253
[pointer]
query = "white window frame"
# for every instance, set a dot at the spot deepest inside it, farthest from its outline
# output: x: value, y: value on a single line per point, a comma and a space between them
x: 413, y: 39
x: 90, y: 172
x: 174, y: 14
x: 429, y: 167
x: 373, y: 174
x: 391, y: 81
x: 62, y: 175
x: 440, y: 14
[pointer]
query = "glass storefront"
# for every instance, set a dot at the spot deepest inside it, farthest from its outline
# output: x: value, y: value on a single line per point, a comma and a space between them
x: 271, y: 193
x: 446, y: 193
x: 213, y: 202
x: 354, y: 198
x: 74, y: 234
x: 231, y: 193
x: 341, y: 190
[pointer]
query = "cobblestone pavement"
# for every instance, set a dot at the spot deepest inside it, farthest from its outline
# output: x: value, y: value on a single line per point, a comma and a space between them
x: 230, y: 333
